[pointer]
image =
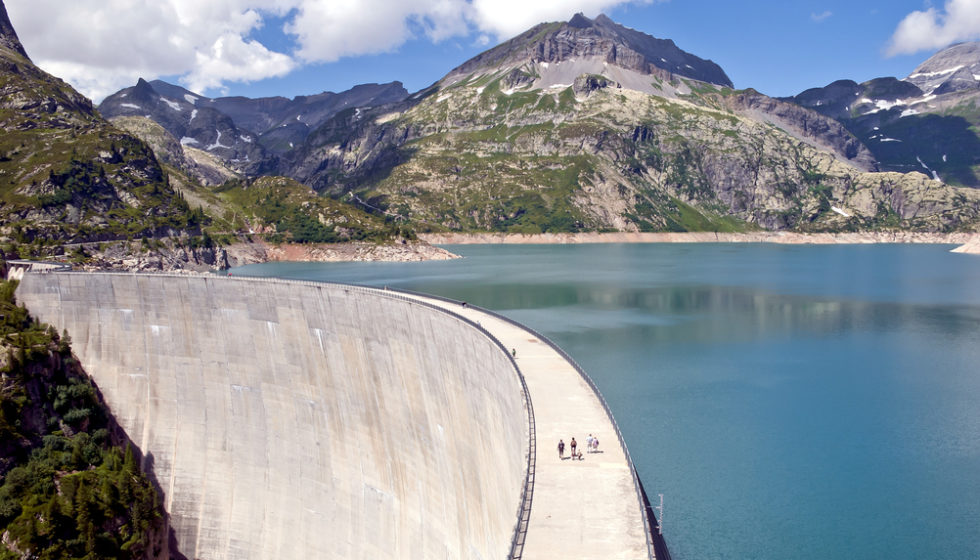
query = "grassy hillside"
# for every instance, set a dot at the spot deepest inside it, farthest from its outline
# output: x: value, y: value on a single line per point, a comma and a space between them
x: 68, y: 176
x: 476, y: 156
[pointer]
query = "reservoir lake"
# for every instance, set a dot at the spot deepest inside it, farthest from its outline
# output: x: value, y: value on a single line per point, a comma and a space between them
x: 790, y: 402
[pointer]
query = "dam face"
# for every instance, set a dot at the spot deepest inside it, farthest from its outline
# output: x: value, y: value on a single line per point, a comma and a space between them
x: 300, y: 420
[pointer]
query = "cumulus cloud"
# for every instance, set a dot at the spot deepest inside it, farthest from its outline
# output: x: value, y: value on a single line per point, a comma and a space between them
x: 959, y: 20
x: 101, y: 46
x: 327, y: 31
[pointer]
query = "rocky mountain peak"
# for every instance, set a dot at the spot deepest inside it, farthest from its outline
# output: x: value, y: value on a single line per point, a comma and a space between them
x: 8, y: 37
x: 952, y: 69
x: 579, y: 21
x: 599, y: 41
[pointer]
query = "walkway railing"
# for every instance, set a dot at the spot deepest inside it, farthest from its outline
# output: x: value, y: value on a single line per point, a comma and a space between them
x: 527, y: 493
x: 656, y: 545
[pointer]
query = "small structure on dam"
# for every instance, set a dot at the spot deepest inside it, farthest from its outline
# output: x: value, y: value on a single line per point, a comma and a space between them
x: 305, y: 420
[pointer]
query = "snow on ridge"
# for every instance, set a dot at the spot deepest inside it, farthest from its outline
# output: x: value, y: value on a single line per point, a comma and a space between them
x: 131, y: 106
x: 193, y: 114
x: 933, y: 74
x: 909, y: 112
x: 883, y: 105
x: 192, y: 99
x: 840, y: 211
x: 885, y: 139
x: 246, y: 139
x: 187, y: 141
x: 172, y: 104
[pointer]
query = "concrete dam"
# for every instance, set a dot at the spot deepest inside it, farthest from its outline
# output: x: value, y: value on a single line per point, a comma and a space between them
x: 304, y: 420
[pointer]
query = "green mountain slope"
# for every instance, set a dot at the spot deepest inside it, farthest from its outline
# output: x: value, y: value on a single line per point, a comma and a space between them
x: 531, y: 145
x: 67, y: 175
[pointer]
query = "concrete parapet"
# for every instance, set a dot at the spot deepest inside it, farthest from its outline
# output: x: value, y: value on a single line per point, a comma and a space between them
x: 300, y: 420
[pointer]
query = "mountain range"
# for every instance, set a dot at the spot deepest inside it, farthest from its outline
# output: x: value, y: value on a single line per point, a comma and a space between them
x: 583, y: 125
x: 74, y: 184
x: 586, y: 125
x: 926, y: 122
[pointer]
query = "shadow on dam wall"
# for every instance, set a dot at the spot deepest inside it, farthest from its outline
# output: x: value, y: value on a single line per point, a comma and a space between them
x: 299, y: 420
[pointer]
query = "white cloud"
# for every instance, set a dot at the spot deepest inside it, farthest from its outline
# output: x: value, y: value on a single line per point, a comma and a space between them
x: 821, y: 17
x: 959, y: 20
x: 327, y: 31
x: 506, y: 18
x: 101, y: 46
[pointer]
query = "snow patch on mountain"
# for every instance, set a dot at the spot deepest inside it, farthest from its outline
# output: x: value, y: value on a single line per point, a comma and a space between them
x: 217, y: 143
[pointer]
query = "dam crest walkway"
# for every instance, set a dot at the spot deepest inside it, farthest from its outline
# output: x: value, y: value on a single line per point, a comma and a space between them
x: 587, y: 508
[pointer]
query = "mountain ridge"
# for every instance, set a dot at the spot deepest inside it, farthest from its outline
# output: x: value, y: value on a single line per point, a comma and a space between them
x: 8, y: 36
x: 573, y: 126
x: 558, y: 42
x: 926, y: 122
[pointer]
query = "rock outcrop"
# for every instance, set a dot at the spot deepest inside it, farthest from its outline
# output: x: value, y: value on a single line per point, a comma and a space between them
x: 602, y: 39
x: 926, y: 122
x: 66, y: 174
x: 951, y: 69
x: 8, y: 36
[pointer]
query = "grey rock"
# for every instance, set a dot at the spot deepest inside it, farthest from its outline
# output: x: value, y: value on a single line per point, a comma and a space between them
x: 599, y: 38
x: 942, y: 66
x: 8, y: 36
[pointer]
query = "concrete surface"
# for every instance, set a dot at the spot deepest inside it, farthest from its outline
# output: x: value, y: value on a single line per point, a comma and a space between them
x: 294, y: 420
x: 585, y: 509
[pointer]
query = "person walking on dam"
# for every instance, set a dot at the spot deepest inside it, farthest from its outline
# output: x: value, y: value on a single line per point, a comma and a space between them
x: 561, y: 449
x: 588, y: 444
x: 572, y: 444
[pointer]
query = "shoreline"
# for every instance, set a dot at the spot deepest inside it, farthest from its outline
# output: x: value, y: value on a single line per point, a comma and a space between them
x: 239, y: 254
x: 966, y: 242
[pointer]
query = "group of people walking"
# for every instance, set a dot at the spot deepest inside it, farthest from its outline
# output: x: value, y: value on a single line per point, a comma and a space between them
x: 591, y: 446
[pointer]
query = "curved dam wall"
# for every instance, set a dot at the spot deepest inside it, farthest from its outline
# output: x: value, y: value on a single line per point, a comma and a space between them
x: 301, y: 420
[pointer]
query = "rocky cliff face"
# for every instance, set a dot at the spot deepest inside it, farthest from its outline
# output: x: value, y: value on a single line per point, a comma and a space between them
x: 65, y: 173
x: 587, y: 124
x: 245, y: 135
x: 8, y: 37
x: 204, y: 128
x: 951, y: 69
x: 562, y: 129
x: 926, y: 122
x: 477, y: 156
x: 602, y: 39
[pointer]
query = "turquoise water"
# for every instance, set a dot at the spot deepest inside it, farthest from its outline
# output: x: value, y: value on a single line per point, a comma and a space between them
x: 790, y: 402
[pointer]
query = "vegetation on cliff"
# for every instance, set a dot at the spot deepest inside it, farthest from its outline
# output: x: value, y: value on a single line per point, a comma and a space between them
x: 480, y: 156
x: 284, y: 210
x: 70, y: 486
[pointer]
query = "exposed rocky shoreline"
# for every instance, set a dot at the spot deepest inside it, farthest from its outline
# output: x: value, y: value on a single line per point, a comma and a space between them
x: 170, y: 258
x: 132, y: 257
x: 969, y: 242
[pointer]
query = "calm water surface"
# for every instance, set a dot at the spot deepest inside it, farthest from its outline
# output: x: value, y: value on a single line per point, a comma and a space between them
x: 806, y: 402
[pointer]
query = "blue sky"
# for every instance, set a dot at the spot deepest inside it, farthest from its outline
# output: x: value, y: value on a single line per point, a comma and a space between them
x: 296, y: 47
